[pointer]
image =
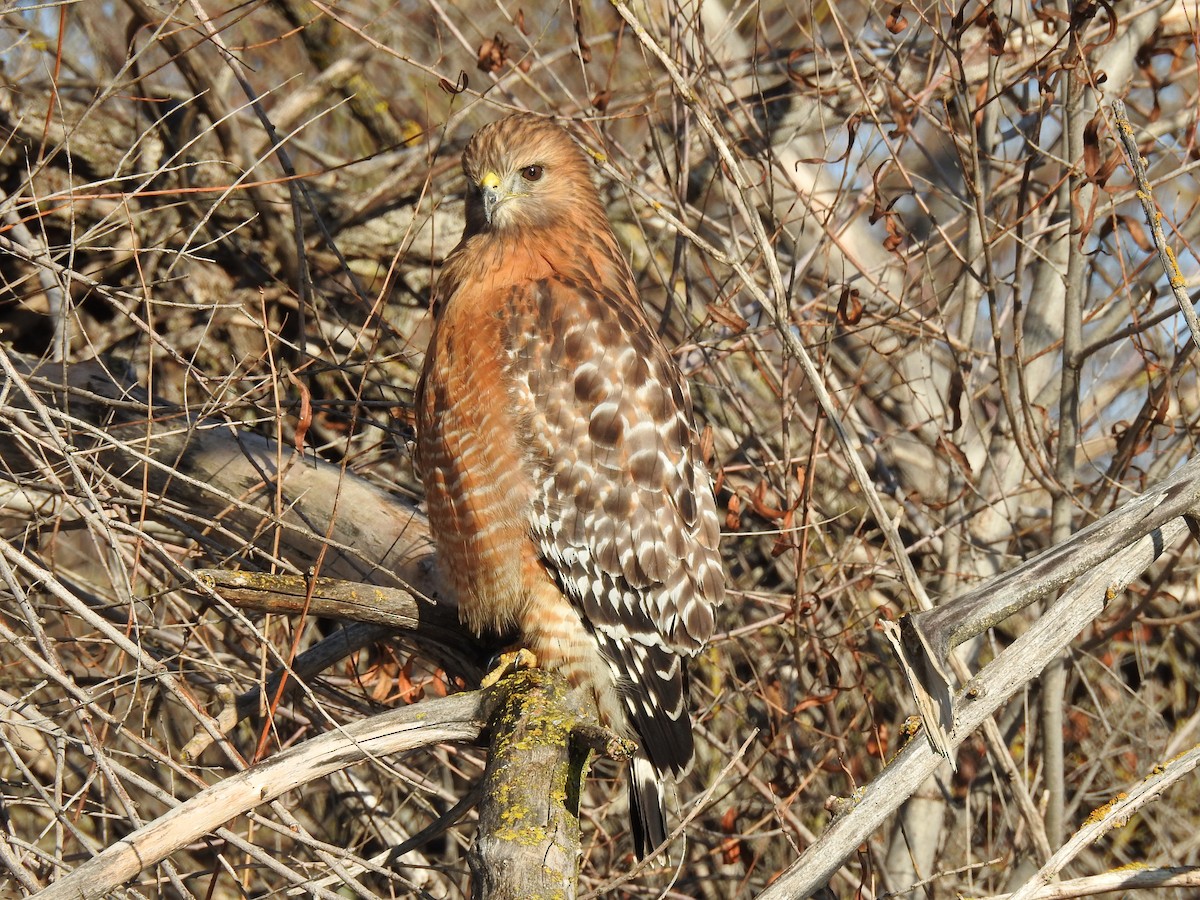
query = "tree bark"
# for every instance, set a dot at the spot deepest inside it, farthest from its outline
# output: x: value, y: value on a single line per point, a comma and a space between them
x: 527, y: 843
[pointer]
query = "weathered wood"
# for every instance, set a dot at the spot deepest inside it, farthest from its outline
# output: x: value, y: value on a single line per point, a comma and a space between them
x: 207, y: 465
x: 456, y: 718
x: 930, y: 635
x: 1018, y: 665
x: 527, y: 843
x: 333, y: 598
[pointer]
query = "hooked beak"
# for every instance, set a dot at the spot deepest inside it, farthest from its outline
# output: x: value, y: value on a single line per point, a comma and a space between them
x: 493, y: 194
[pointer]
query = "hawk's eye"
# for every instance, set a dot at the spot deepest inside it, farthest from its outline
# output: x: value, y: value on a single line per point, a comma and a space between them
x: 533, y: 173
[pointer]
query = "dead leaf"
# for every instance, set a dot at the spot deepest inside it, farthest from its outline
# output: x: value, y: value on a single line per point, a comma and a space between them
x: 493, y: 54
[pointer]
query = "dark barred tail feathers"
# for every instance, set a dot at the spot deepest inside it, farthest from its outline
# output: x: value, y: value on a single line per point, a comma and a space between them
x: 647, y: 810
x: 656, y: 706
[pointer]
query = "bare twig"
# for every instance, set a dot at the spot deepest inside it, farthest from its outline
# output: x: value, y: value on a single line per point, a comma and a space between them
x: 777, y: 306
x: 1166, y: 256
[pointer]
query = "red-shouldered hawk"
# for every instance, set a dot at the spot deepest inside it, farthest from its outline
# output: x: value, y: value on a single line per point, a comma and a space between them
x: 567, y: 497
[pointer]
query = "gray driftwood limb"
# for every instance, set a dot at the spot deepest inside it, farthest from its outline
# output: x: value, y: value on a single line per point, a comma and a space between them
x: 1086, y: 598
x: 173, y: 458
x: 928, y: 636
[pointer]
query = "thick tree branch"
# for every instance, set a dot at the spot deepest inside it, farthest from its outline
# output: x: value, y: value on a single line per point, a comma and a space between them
x: 527, y: 844
x: 929, y: 635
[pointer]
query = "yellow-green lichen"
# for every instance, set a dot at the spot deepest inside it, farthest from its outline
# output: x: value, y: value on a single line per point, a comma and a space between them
x: 1100, y: 812
x: 1136, y: 866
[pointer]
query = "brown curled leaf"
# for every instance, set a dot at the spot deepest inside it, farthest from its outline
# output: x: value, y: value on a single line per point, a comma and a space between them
x: 850, y: 306
x: 454, y: 87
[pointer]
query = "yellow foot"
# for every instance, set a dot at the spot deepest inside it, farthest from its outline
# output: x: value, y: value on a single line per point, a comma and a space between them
x: 508, y: 663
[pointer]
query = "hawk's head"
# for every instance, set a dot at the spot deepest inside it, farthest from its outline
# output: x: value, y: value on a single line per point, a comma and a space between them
x: 524, y: 172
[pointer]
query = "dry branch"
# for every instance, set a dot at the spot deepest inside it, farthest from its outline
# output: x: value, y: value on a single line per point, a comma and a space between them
x: 458, y: 718
x: 1112, y: 815
x: 376, y: 613
x: 1128, y: 879
x: 928, y: 636
x: 1145, y: 193
x: 239, y: 478
x: 1018, y: 665
x: 347, y: 601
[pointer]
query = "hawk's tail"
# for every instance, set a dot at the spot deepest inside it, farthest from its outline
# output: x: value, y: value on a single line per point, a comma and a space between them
x: 648, y: 817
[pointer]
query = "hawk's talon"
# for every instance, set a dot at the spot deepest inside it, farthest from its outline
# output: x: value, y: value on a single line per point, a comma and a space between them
x: 507, y: 664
